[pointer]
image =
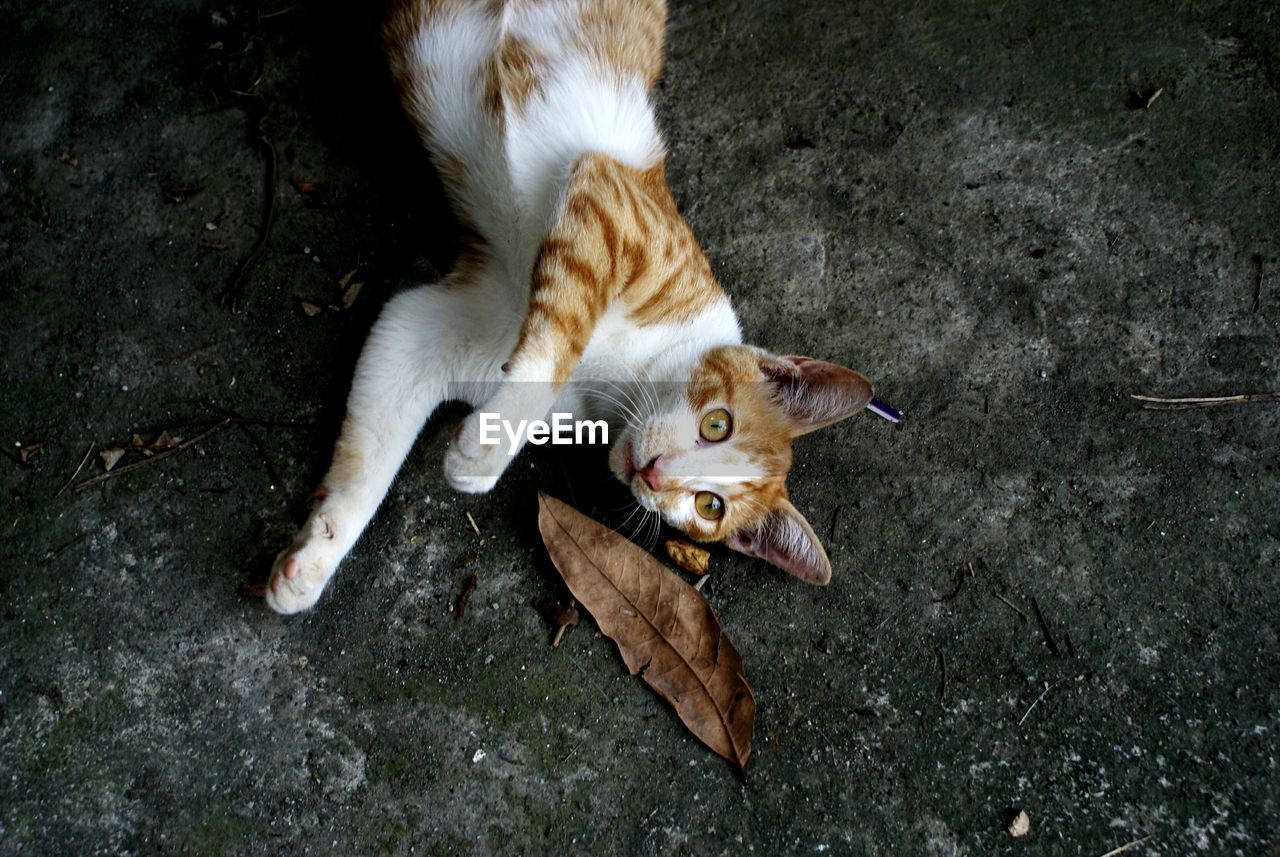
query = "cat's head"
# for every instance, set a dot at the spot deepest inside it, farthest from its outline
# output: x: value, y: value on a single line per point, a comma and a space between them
x: 712, y: 456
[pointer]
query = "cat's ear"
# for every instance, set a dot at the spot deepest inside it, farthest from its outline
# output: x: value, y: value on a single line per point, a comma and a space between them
x: 814, y: 393
x: 784, y: 538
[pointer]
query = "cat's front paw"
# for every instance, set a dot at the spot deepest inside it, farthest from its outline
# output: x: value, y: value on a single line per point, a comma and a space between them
x: 301, y: 570
x: 471, y: 466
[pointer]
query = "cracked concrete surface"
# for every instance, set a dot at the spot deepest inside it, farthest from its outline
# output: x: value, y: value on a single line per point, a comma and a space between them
x: 975, y: 205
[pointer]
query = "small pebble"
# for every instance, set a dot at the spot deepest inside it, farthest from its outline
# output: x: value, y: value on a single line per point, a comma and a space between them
x: 1021, y: 825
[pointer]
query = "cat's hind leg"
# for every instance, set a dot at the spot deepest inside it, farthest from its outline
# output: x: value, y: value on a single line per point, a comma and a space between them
x: 429, y: 344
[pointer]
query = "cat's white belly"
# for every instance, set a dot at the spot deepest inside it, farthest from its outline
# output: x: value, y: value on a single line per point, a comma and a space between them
x: 517, y: 168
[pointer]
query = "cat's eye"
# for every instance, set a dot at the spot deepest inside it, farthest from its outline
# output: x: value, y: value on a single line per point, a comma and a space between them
x: 716, y: 426
x: 710, y: 507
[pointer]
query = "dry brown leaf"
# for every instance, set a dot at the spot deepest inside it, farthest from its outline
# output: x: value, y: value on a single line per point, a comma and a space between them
x: 110, y: 457
x: 691, y: 558
x: 181, y: 193
x: 310, y: 309
x: 253, y: 589
x: 556, y: 613
x: 164, y: 441
x: 561, y: 616
x: 301, y: 186
x: 664, y: 629
x: 349, y: 296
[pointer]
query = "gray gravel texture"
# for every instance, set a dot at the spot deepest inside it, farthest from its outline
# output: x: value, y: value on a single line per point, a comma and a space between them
x: 1012, y: 216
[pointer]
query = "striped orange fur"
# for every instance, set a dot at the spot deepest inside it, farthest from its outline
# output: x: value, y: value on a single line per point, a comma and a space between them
x: 578, y: 276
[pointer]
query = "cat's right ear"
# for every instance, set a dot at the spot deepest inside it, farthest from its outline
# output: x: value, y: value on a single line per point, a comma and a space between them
x: 784, y: 538
x: 814, y: 393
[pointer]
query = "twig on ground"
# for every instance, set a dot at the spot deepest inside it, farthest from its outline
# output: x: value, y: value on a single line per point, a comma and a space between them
x: 159, y: 456
x: 1157, y: 403
x: 1128, y: 846
x: 263, y: 16
x: 234, y: 294
x: 1011, y: 606
x: 1047, y: 688
x: 942, y: 682
x: 1044, y: 629
x: 468, y: 587
x: 88, y: 452
x: 474, y: 526
x: 835, y: 519
x: 50, y: 556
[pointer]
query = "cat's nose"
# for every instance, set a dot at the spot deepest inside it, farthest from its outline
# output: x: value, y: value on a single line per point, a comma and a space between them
x: 649, y: 473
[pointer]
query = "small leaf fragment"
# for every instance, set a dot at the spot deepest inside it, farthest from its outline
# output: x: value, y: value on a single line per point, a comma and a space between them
x: 110, y: 457
x: 253, y: 589
x: 349, y: 296
x: 310, y: 309
x: 689, y: 557
x: 561, y: 616
x: 301, y: 186
x: 557, y: 614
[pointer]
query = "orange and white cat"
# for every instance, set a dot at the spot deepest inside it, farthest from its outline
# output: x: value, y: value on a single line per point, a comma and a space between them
x: 582, y: 290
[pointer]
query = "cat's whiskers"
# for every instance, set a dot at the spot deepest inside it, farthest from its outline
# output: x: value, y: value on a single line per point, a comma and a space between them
x: 627, y: 520
x: 641, y: 533
x: 646, y: 389
x: 634, y: 407
x: 629, y: 415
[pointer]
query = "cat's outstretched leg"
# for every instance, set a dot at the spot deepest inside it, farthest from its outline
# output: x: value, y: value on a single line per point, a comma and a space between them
x: 427, y: 346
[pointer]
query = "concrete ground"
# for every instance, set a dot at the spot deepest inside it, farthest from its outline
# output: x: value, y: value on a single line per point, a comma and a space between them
x: 1012, y: 216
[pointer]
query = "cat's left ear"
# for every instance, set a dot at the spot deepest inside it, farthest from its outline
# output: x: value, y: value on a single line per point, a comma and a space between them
x: 784, y: 538
x: 814, y: 393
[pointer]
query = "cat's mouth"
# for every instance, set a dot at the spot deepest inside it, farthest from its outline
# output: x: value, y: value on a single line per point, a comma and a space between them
x: 630, y: 474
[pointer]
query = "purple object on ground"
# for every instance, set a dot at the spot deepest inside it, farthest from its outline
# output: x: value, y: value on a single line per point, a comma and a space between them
x: 880, y: 409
